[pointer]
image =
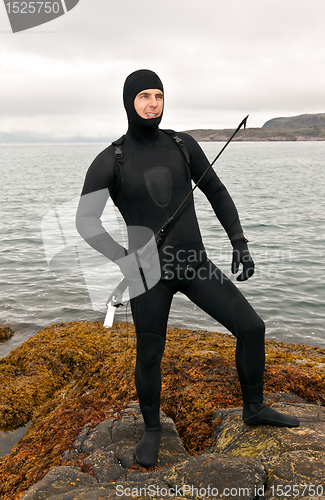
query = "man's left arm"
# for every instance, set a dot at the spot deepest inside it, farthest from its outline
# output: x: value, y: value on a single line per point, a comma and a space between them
x: 223, y: 206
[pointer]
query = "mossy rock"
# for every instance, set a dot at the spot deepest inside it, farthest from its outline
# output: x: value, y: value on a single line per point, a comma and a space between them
x: 6, y: 332
x: 299, y: 474
x: 291, y: 456
x: 174, y: 469
x: 266, y: 442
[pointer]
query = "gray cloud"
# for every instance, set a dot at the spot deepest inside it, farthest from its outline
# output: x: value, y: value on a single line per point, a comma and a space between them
x: 219, y: 61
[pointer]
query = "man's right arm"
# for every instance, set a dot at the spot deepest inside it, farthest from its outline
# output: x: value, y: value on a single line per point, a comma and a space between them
x: 95, y: 193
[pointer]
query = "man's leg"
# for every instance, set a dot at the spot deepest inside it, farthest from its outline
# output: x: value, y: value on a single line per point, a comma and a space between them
x: 150, y: 313
x: 213, y: 292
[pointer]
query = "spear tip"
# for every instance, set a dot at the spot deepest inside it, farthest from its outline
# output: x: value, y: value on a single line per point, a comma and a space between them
x: 242, y: 124
x: 245, y: 121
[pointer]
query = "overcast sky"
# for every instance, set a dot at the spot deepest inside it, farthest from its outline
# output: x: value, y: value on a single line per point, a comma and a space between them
x: 219, y: 61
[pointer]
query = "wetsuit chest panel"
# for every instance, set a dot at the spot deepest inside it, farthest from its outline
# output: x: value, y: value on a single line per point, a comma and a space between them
x: 155, y: 183
x: 159, y: 184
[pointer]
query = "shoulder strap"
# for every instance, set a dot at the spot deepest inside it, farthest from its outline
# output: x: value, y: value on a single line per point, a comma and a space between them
x: 119, y: 151
x: 179, y: 143
x: 119, y: 156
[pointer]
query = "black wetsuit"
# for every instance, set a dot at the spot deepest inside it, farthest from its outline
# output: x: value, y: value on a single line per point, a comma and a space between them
x: 155, y: 180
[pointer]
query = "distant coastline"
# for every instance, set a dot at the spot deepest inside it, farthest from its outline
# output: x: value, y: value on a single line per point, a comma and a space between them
x: 258, y: 135
x: 307, y: 127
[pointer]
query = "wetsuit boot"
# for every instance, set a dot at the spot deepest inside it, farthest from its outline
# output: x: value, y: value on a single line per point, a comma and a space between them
x: 150, y: 348
x: 260, y: 414
x: 146, y: 451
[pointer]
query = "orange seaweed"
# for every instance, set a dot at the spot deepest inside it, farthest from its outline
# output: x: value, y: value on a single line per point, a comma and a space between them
x: 76, y: 373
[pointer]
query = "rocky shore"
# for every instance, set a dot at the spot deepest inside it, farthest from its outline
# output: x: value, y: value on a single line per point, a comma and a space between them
x: 74, y: 383
x: 307, y: 127
x: 249, y: 462
x: 258, y: 135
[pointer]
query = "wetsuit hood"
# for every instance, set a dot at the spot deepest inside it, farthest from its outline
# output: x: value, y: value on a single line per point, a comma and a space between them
x: 139, y: 128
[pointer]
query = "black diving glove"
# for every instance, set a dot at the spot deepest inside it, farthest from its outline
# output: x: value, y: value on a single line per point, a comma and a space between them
x: 241, y: 255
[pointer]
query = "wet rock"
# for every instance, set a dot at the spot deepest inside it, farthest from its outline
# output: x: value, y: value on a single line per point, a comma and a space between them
x: 58, y: 481
x: 297, y: 473
x: 104, y: 465
x: 245, y: 462
x: 124, y: 436
x: 111, y: 447
x: 201, y: 476
x: 82, y: 436
x: 87, y: 494
x: 99, y: 437
x: 263, y: 442
x: 128, y: 430
x: 293, y: 457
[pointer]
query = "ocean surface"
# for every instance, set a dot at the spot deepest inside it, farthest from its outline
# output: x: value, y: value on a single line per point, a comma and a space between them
x: 278, y: 189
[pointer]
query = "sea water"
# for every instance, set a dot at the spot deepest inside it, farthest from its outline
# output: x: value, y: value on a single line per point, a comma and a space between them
x: 278, y: 188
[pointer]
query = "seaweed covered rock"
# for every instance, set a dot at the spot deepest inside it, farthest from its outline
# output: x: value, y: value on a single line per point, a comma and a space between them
x: 293, y: 457
x: 112, y: 442
x: 6, y: 332
x: 198, y: 370
x: 299, y: 474
x: 45, y: 364
x: 111, y: 447
x: 246, y: 461
x: 206, y: 475
x: 73, y: 378
x: 61, y: 480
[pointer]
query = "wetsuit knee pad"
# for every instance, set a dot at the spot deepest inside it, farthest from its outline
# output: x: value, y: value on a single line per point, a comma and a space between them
x: 150, y: 349
x: 248, y: 321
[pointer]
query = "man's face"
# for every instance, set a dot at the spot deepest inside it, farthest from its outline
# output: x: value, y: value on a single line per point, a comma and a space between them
x: 149, y: 103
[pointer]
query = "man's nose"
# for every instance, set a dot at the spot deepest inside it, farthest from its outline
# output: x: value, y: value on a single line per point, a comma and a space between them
x: 154, y: 102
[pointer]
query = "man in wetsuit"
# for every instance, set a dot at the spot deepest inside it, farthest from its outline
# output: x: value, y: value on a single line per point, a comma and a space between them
x: 152, y: 182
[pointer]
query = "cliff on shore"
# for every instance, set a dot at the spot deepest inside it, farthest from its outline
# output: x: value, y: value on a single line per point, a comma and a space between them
x: 70, y: 378
x: 307, y: 127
